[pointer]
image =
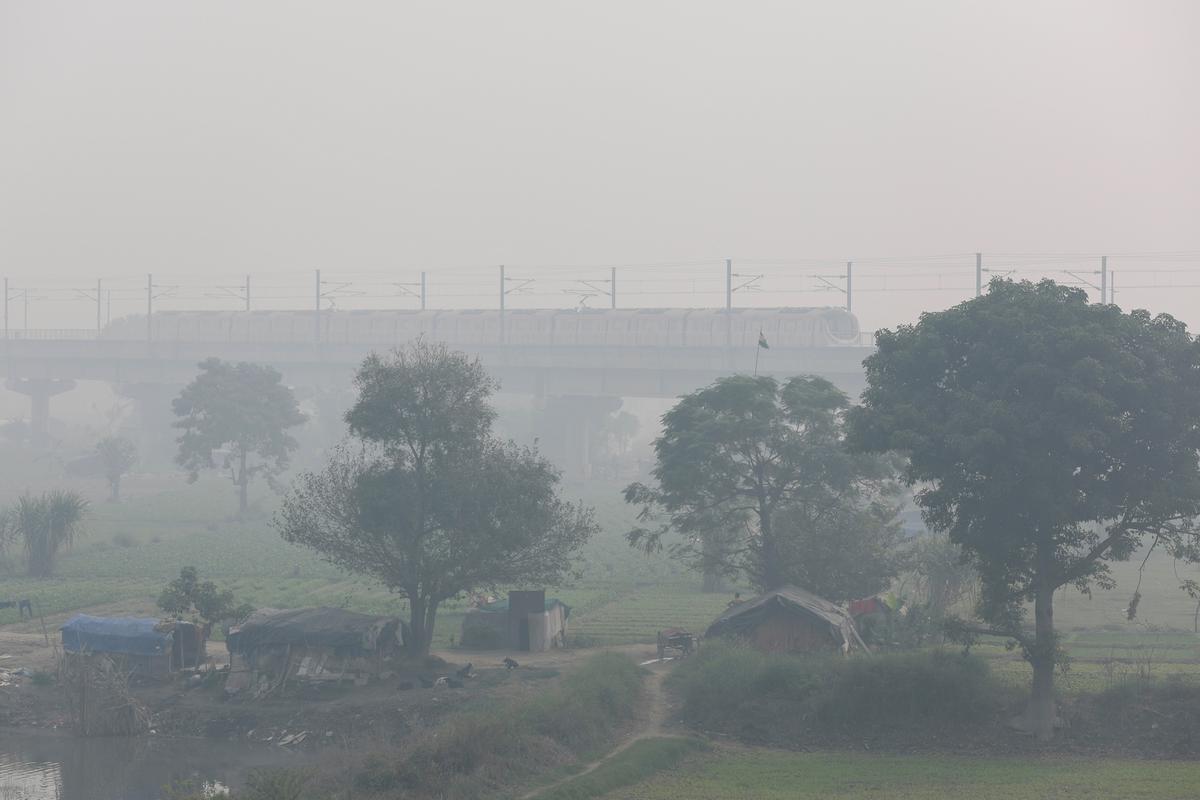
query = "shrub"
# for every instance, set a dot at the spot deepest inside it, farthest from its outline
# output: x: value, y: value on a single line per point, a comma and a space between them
x: 1151, y: 717
x: 769, y: 697
x: 473, y: 753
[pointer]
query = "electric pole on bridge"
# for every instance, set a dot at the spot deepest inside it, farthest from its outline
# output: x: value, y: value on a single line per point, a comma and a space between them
x: 149, y: 307
x: 849, y: 287
x: 317, y: 312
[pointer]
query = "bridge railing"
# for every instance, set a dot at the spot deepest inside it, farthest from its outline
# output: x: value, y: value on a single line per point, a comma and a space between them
x: 863, y: 339
x: 44, y: 334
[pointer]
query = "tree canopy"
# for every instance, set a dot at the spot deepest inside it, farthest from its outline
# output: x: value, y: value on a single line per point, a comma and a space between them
x: 754, y: 477
x: 424, y: 497
x: 243, y: 413
x: 1048, y: 436
x: 117, y: 456
x: 187, y: 596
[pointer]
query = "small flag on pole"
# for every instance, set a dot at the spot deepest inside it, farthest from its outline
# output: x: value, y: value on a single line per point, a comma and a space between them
x: 762, y: 341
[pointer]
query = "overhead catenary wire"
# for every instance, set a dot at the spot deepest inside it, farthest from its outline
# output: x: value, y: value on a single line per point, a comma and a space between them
x: 692, y: 282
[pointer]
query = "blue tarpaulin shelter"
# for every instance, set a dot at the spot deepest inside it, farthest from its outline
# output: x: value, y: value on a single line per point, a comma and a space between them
x: 144, y: 646
x: 125, y: 635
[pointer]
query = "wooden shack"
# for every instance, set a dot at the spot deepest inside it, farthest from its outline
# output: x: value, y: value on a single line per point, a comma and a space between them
x: 311, y: 644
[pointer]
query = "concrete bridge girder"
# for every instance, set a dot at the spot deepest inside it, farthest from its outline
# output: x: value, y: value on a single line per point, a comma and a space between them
x: 538, y: 371
x: 541, y: 371
x: 39, y: 391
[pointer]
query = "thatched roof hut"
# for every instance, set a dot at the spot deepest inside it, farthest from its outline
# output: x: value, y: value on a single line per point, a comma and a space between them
x: 319, y: 644
x: 788, y: 620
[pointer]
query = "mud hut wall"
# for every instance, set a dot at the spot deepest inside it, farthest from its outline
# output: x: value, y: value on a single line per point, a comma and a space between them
x: 783, y: 631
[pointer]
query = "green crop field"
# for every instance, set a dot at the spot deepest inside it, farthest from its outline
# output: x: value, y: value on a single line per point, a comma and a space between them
x: 778, y: 775
x: 131, y: 549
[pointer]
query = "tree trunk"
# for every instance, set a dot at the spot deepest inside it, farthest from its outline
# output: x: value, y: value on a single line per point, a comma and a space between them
x: 420, y: 626
x: 430, y: 618
x: 770, y: 568
x: 1041, y: 716
x: 712, y: 580
x: 243, y: 480
x: 712, y: 583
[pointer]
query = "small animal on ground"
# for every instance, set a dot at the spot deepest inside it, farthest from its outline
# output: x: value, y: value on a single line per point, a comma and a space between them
x: 22, y: 606
x: 509, y: 663
x: 467, y: 671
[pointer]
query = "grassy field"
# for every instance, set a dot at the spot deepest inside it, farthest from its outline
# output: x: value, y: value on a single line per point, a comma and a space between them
x: 778, y: 775
x: 133, y: 548
x: 642, y: 759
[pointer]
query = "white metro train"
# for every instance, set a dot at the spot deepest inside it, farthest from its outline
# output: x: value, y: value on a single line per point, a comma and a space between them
x: 782, y: 327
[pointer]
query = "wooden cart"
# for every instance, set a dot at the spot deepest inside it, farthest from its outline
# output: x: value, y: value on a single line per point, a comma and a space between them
x: 676, y: 642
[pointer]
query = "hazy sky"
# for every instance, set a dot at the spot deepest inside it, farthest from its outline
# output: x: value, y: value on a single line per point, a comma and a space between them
x: 224, y: 137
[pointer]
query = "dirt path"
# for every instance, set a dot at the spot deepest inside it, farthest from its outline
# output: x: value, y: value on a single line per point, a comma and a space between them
x: 650, y: 723
x: 28, y: 650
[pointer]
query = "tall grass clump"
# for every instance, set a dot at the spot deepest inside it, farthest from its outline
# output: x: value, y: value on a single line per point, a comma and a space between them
x: 474, y: 754
x: 47, y: 523
x: 763, y: 696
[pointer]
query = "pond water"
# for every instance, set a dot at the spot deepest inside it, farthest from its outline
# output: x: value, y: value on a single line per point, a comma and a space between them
x: 50, y: 767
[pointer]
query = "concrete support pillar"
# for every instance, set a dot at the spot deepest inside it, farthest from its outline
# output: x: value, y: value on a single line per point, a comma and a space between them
x: 326, y: 406
x: 39, y: 391
x: 155, y: 420
x: 567, y: 430
x: 578, y: 437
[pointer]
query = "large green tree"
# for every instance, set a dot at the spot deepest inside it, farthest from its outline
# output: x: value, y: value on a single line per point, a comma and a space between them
x: 243, y: 413
x: 424, y: 497
x: 1048, y: 437
x: 753, y: 476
